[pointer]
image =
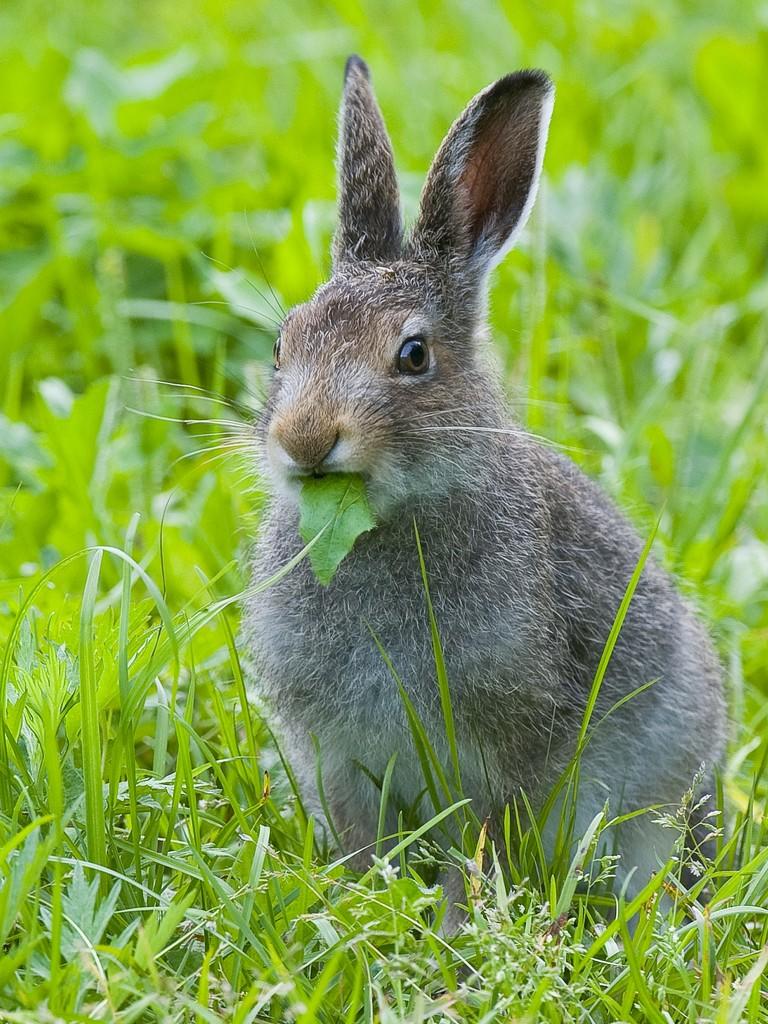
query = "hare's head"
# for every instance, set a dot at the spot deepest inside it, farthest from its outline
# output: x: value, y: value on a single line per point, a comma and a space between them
x: 381, y: 371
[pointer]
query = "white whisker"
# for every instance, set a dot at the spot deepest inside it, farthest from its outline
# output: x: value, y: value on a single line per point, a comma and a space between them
x: 184, y: 422
x: 216, y: 452
x: 509, y: 431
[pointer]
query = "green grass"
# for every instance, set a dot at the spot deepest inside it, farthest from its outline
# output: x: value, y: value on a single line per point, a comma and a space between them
x: 157, y: 162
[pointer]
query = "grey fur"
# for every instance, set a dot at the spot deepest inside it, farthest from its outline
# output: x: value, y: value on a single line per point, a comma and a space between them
x: 527, y: 559
x: 370, y: 225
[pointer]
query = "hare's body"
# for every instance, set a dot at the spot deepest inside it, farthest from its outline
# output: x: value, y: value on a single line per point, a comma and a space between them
x: 526, y: 573
x: 383, y: 373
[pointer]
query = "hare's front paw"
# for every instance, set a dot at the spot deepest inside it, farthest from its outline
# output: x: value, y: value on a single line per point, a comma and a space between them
x: 455, y: 896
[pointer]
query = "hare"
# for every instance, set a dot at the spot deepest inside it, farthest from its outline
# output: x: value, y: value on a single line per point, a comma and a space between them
x: 385, y: 372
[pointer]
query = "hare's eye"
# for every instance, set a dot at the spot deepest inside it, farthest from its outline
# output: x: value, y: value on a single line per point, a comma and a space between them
x: 276, y: 353
x: 413, y: 356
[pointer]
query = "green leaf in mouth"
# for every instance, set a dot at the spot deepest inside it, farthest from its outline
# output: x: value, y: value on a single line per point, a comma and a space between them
x: 335, y: 506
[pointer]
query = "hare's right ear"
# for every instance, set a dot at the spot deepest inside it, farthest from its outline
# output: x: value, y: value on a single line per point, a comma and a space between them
x: 483, y: 181
x: 370, y: 226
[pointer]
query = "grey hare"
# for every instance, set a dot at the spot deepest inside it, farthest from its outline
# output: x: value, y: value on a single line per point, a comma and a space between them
x: 385, y: 372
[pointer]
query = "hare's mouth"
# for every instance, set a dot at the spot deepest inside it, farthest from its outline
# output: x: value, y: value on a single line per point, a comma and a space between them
x: 319, y: 473
x: 293, y: 463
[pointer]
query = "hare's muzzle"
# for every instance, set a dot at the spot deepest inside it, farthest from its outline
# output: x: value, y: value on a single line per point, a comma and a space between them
x: 301, y: 448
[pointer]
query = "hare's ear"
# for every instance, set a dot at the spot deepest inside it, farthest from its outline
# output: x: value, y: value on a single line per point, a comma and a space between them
x: 483, y: 181
x: 370, y: 226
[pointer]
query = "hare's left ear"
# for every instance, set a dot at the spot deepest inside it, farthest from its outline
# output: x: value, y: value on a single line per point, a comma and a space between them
x: 370, y: 226
x: 483, y: 181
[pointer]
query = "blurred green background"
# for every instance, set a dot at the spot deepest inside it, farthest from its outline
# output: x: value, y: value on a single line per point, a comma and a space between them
x: 159, y: 161
x: 166, y: 171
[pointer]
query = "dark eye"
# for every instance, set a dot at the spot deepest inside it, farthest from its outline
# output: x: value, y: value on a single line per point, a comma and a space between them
x: 276, y: 353
x: 413, y: 356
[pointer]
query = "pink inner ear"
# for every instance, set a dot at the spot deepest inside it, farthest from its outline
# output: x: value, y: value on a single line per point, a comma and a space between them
x: 499, y: 171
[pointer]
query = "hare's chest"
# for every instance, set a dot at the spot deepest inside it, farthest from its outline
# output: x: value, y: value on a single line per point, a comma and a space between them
x: 337, y: 650
x: 339, y: 654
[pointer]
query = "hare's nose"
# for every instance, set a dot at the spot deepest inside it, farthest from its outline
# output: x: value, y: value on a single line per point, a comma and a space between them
x: 304, y: 451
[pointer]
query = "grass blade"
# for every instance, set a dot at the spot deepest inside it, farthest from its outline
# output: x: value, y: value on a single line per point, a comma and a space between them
x: 95, y: 825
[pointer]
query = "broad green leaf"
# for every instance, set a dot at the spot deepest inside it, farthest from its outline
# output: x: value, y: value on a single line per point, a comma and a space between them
x: 87, y: 914
x: 96, y: 86
x: 21, y: 453
x: 336, y: 506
